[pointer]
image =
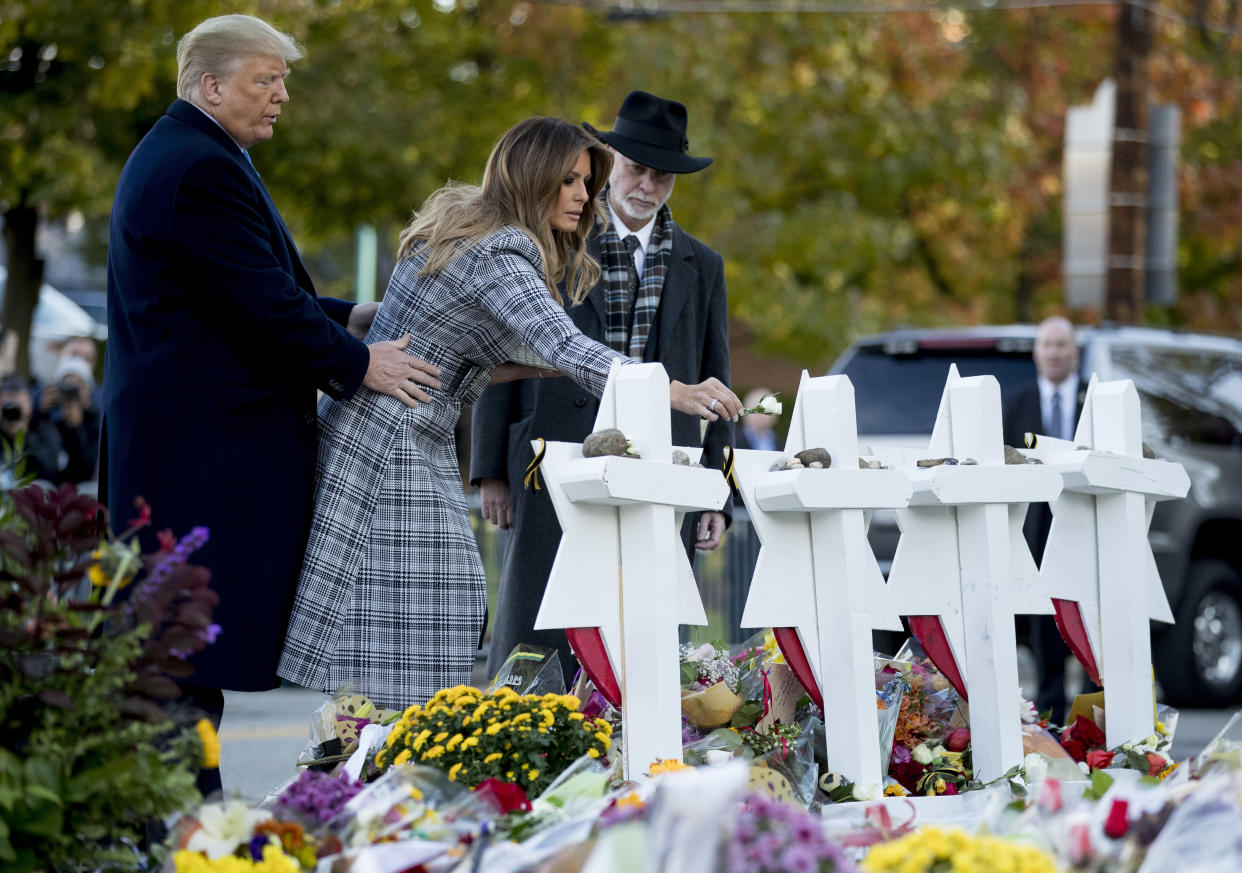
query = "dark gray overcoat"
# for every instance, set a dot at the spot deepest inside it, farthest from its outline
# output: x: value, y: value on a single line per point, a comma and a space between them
x: 690, y: 338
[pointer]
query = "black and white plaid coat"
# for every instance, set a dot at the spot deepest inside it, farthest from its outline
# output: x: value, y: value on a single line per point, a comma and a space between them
x: 391, y: 594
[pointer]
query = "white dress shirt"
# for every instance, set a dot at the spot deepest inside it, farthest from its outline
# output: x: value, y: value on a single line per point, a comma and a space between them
x: 643, y: 234
x: 1068, y: 393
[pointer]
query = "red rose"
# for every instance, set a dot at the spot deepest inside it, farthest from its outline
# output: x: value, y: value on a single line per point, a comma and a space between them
x: 1098, y: 759
x: 1085, y: 731
x: 958, y: 740
x: 908, y: 773
x: 1155, y: 763
x: 1116, y: 825
x: 505, y: 796
x: 1077, y: 750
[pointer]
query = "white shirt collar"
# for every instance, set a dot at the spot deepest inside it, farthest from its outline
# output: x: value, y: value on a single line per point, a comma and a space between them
x: 643, y: 233
x: 1067, y: 389
x: 216, y: 123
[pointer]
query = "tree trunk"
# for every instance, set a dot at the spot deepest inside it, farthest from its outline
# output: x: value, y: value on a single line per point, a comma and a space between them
x: 25, y: 277
x: 1126, y: 292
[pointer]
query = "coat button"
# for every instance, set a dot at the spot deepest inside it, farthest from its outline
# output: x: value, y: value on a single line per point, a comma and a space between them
x: 580, y: 402
x: 309, y: 418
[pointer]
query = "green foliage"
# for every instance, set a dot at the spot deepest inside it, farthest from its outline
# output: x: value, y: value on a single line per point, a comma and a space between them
x: 88, y: 755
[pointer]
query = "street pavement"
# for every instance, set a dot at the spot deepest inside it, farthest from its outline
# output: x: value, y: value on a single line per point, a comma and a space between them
x: 263, y: 733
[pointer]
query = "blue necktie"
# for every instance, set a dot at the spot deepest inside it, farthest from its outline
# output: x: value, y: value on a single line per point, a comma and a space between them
x: 246, y: 155
x: 1056, y: 422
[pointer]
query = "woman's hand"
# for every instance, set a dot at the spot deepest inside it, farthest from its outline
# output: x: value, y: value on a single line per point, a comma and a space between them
x: 710, y: 399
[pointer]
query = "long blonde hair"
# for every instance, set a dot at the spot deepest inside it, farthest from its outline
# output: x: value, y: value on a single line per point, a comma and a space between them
x: 521, y: 187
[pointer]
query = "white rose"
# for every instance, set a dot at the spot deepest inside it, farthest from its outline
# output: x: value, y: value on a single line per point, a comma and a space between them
x: 1035, y: 767
x: 867, y: 791
x: 702, y: 653
x: 921, y: 753
x: 938, y: 752
x: 770, y: 405
x: 717, y: 756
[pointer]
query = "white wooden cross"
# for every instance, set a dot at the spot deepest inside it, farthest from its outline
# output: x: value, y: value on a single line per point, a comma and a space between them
x: 1098, y: 564
x: 962, y: 557
x: 621, y: 565
x: 816, y: 571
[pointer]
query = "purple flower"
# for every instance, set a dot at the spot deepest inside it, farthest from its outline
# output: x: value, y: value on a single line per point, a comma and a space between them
x: 319, y: 796
x: 800, y: 858
x: 901, y: 755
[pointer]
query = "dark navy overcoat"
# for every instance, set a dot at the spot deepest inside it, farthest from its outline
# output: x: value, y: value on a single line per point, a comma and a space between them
x: 217, y: 342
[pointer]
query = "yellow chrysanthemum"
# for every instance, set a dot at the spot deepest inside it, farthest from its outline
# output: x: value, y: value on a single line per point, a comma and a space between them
x: 97, y: 576
x: 494, y: 756
x: 453, y: 742
x: 576, y: 716
x: 402, y: 757
x: 669, y: 765
x: 211, y: 743
x: 631, y: 800
x: 592, y: 753
x: 441, y: 736
x: 452, y: 773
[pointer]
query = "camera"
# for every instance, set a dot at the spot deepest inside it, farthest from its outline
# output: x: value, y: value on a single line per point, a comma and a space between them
x: 10, y: 412
x: 68, y: 391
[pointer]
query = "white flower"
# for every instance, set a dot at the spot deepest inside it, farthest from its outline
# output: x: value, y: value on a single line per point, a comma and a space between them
x: 717, y: 756
x: 1026, y: 710
x: 938, y: 752
x: 224, y: 827
x: 867, y: 791
x: 921, y: 753
x: 769, y: 405
x: 1035, y: 767
x: 1083, y: 766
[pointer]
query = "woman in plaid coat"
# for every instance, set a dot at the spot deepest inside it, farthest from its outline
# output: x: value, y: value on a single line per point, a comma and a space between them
x: 391, y: 593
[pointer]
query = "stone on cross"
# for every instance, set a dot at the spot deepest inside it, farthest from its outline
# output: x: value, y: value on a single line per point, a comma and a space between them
x: 962, y: 568
x: 1098, y: 564
x: 816, y: 582
x: 621, y: 567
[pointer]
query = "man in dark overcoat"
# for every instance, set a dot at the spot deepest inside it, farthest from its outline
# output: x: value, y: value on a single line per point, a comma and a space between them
x: 217, y: 344
x: 661, y: 299
x: 1051, y: 406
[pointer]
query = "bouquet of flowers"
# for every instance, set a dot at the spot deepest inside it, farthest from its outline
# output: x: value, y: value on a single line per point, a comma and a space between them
x: 472, y: 736
x: 710, y: 685
x: 234, y: 838
x: 770, y: 837
x: 932, y: 849
x: 1085, y: 743
x: 89, y: 753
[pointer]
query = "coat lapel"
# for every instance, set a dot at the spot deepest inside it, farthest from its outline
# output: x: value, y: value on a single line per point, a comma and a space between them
x: 197, y: 119
x: 681, y: 280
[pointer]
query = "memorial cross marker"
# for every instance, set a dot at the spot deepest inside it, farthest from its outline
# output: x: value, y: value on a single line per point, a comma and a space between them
x: 621, y: 567
x: 962, y: 568
x: 1098, y: 564
x: 816, y: 573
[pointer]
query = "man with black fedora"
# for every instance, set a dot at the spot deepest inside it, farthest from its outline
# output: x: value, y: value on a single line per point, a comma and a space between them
x: 661, y: 298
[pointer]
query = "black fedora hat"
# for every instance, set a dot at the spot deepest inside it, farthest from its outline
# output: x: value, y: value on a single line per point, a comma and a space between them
x: 651, y: 131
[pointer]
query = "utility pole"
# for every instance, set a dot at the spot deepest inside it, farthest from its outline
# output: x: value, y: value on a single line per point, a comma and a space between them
x: 1125, y: 293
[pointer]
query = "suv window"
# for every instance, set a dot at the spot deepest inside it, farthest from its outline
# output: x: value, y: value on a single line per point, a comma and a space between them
x: 1188, y: 394
x: 898, y: 391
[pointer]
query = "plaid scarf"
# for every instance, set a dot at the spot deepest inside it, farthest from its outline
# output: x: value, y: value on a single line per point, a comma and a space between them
x: 629, y: 316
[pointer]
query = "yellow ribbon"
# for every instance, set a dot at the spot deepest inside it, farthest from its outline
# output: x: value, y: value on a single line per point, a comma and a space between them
x: 531, y: 479
x: 728, y: 467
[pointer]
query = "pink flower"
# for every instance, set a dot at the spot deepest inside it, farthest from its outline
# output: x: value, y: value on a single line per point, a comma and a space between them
x: 1098, y: 759
x: 1115, y: 826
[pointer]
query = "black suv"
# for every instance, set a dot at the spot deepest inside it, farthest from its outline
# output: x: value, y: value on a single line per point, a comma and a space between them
x: 1190, y: 388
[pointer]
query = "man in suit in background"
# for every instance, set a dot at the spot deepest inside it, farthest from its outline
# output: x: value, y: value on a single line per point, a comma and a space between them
x: 217, y: 343
x: 661, y: 298
x: 1050, y: 406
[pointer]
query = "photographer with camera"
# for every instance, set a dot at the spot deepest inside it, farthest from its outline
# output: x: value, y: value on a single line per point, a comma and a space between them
x: 67, y: 402
x: 39, y: 439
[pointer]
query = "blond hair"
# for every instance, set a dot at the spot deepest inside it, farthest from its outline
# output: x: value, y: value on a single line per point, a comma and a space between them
x: 218, y: 46
x: 521, y: 187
